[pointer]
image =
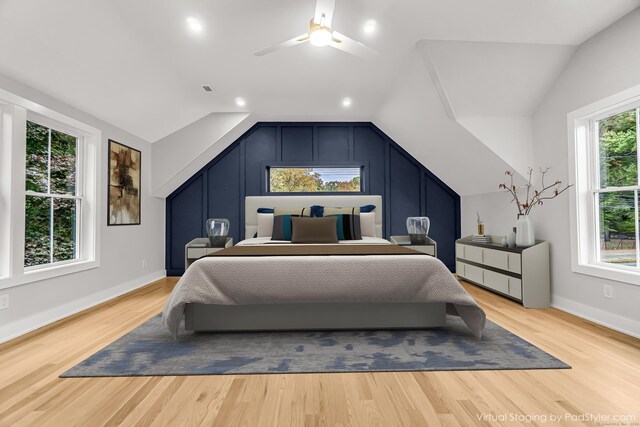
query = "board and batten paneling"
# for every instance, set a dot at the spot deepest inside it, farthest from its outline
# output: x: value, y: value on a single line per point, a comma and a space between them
x: 218, y: 189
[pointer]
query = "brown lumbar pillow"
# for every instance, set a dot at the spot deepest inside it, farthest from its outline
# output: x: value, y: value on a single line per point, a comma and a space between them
x: 314, y: 230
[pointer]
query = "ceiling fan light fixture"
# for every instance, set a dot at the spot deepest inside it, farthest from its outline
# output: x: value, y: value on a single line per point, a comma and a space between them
x: 320, y: 37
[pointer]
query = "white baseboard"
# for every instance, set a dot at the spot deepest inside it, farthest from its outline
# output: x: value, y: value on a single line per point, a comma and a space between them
x: 31, y: 323
x: 601, y: 317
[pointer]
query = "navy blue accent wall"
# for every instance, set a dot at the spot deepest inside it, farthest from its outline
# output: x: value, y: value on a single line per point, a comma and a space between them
x: 218, y: 189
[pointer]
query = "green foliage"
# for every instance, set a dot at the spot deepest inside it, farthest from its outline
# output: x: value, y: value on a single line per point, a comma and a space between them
x: 47, y: 147
x: 305, y: 180
x: 618, y: 167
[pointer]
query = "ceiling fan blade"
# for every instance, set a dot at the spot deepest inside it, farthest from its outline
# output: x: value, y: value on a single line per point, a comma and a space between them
x: 348, y: 45
x: 324, y: 7
x: 292, y: 42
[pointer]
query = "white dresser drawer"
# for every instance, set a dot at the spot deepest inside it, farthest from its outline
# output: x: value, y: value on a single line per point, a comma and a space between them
x: 497, y: 259
x: 473, y: 273
x: 473, y: 253
x: 514, y: 263
x: 496, y: 281
x: 460, y: 269
x: 459, y: 250
x: 515, y: 287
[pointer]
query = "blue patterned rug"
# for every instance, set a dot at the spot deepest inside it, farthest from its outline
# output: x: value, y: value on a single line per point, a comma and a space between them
x: 150, y: 350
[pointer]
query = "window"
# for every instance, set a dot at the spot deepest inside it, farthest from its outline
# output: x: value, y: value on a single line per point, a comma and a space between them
x: 52, y: 200
x: 616, y: 194
x: 49, y: 193
x: 291, y: 179
x: 604, y: 139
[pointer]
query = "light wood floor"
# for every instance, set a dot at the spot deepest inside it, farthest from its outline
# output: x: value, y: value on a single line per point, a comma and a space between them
x: 605, y: 379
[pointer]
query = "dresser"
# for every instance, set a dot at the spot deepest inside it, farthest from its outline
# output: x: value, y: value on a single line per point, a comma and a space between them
x: 519, y: 273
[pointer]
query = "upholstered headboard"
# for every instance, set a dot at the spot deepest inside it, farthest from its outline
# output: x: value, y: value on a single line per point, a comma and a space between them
x: 252, y: 203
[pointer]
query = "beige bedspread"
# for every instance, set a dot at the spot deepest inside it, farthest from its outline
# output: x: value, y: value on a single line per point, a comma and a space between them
x: 320, y: 278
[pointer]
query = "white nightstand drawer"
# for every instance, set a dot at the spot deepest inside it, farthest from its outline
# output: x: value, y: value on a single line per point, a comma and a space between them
x: 429, y: 250
x: 473, y: 273
x: 473, y: 253
x: 496, y: 281
x: 196, y: 252
x: 514, y: 263
x: 515, y: 287
x: 497, y: 259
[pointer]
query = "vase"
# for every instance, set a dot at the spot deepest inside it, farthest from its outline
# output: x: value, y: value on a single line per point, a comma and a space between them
x: 480, y: 229
x: 511, y: 238
x: 418, y: 229
x: 504, y: 243
x: 524, y: 231
x: 217, y: 231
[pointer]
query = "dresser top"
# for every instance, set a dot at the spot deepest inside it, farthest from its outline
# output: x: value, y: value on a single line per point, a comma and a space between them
x: 497, y: 246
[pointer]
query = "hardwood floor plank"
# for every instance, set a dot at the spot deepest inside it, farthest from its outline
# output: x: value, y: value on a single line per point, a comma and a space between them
x: 605, y: 379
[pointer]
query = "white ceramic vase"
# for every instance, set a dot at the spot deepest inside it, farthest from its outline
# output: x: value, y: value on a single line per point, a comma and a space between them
x: 524, y: 231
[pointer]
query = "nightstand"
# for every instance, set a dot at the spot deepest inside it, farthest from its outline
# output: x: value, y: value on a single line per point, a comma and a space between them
x: 197, y: 248
x: 429, y: 248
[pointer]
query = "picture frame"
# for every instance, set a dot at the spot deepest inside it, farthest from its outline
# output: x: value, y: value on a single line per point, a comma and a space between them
x: 124, y: 181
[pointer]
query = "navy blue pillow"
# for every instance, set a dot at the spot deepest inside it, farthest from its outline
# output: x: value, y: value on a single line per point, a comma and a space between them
x: 317, y: 211
x: 367, y: 208
x: 265, y: 210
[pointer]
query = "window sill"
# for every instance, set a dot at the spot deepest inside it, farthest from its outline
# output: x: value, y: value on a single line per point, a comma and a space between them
x: 610, y: 273
x: 47, y: 273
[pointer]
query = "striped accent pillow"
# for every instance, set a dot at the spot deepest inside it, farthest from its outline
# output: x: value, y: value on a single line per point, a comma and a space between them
x: 348, y: 225
x: 282, y: 221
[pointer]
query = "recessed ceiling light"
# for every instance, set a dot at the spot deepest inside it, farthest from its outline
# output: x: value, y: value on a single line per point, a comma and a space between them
x: 240, y: 102
x: 370, y: 26
x: 346, y: 102
x: 194, y: 25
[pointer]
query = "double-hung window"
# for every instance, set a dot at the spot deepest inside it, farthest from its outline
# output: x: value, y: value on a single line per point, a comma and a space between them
x: 53, y: 201
x: 604, y: 140
x: 49, y: 193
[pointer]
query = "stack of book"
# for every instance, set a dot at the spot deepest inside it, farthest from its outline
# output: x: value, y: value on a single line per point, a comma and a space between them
x: 481, y: 238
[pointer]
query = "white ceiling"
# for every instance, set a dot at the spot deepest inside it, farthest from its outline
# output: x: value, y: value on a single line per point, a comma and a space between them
x: 496, y: 79
x: 134, y: 64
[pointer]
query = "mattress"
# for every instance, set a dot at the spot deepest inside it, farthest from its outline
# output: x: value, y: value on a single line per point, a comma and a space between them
x: 247, y: 280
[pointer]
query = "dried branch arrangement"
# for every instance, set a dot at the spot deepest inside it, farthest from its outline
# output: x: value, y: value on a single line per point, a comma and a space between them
x: 533, y: 197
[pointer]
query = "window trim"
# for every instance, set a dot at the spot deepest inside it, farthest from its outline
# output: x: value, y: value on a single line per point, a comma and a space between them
x: 266, y: 167
x: 15, y: 113
x: 583, y: 208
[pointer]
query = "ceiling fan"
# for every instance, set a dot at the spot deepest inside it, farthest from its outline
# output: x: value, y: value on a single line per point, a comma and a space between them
x: 321, y: 34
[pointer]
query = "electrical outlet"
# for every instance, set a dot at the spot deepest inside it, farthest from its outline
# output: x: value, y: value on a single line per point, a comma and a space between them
x: 4, y: 301
x: 144, y: 263
x: 608, y: 291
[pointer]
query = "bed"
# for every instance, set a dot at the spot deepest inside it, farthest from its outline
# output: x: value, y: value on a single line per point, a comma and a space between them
x: 262, y: 284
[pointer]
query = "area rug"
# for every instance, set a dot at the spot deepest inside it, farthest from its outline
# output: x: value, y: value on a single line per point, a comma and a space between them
x: 150, y: 350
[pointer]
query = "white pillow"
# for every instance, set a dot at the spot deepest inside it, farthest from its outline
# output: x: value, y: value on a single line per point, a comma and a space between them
x: 265, y: 224
x: 367, y: 224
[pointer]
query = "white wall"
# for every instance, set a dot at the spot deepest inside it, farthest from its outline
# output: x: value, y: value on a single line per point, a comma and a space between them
x: 122, y: 248
x: 414, y: 117
x: 604, y: 65
x: 179, y: 156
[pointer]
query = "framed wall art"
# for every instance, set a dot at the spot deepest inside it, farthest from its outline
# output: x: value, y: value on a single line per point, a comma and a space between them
x: 124, y: 185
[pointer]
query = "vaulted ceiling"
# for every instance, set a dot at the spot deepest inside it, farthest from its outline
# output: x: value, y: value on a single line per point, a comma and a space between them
x: 135, y: 65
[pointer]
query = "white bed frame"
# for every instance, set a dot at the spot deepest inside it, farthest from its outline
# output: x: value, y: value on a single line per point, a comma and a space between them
x: 209, y: 318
